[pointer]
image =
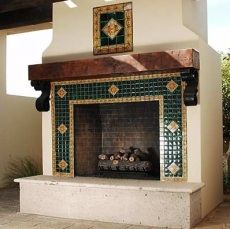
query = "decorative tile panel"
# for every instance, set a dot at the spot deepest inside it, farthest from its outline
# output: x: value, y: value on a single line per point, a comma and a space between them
x: 113, y: 90
x: 173, y: 168
x: 173, y: 126
x: 172, y: 116
x: 62, y: 164
x: 172, y: 86
x: 61, y: 92
x: 113, y: 28
x: 62, y: 128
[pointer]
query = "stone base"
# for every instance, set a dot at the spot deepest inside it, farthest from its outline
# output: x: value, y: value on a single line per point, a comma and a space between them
x: 140, y: 202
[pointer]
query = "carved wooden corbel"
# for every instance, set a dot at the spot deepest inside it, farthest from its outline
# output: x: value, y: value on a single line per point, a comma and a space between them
x: 42, y: 103
x: 191, y: 77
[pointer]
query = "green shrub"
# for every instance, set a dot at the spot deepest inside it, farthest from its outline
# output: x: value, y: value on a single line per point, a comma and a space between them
x: 225, y: 70
x: 20, y: 167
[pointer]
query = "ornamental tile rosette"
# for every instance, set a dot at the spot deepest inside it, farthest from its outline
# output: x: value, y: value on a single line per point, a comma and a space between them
x: 113, y: 29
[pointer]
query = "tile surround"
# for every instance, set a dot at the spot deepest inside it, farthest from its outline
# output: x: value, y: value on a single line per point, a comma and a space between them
x: 133, y: 88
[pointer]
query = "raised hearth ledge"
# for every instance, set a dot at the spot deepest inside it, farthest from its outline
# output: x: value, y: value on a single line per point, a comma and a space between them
x: 138, y: 202
x: 94, y: 182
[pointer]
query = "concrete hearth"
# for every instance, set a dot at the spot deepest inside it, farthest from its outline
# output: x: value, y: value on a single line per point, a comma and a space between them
x: 140, y: 202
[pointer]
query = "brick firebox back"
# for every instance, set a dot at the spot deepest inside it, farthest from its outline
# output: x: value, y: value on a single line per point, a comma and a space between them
x: 108, y: 128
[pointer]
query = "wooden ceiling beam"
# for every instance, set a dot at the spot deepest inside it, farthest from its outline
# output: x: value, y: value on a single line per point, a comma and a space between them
x: 13, y: 5
x: 24, y: 17
x: 19, y: 13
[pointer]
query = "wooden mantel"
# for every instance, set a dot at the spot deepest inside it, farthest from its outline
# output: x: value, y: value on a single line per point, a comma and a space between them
x: 111, y: 66
x: 185, y: 61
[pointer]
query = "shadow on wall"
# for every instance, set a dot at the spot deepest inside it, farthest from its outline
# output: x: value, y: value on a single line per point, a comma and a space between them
x: 20, y: 133
x: 140, y: 49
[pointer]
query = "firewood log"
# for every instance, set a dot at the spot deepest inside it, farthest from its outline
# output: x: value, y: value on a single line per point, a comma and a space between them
x: 115, y: 156
x: 142, y: 155
x: 104, y: 156
x: 125, y: 157
x: 123, y: 151
x: 132, y: 149
x: 115, y: 162
x: 125, y: 154
x: 141, y: 166
x: 133, y: 157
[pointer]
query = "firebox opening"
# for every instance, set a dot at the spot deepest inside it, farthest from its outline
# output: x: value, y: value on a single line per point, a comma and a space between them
x: 119, y: 140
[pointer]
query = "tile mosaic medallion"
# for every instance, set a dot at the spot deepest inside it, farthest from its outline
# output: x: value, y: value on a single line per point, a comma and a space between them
x: 113, y: 29
x: 154, y: 87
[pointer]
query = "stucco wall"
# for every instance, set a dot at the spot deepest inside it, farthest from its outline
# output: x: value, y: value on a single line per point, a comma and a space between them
x: 204, y: 133
x: 194, y: 13
x: 163, y: 25
x: 158, y: 25
x: 20, y: 128
x: 211, y: 127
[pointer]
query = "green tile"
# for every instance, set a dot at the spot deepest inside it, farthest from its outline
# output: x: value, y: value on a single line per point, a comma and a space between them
x: 111, y: 15
x: 156, y: 86
x: 104, y: 41
x: 120, y: 39
x: 112, y: 42
x: 103, y: 17
x: 103, y: 35
x: 120, y: 15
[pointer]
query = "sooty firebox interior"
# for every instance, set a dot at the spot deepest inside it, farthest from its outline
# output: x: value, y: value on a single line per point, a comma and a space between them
x: 117, y: 140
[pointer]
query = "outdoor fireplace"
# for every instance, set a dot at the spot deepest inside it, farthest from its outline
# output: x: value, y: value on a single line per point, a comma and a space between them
x: 120, y: 116
x: 116, y: 116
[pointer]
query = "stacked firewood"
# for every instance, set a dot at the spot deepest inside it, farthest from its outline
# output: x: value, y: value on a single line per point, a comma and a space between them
x: 132, y: 154
x: 132, y: 159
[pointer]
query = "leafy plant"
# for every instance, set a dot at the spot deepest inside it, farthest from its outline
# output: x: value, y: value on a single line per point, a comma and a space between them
x: 226, y: 183
x: 20, y: 167
x: 225, y: 68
